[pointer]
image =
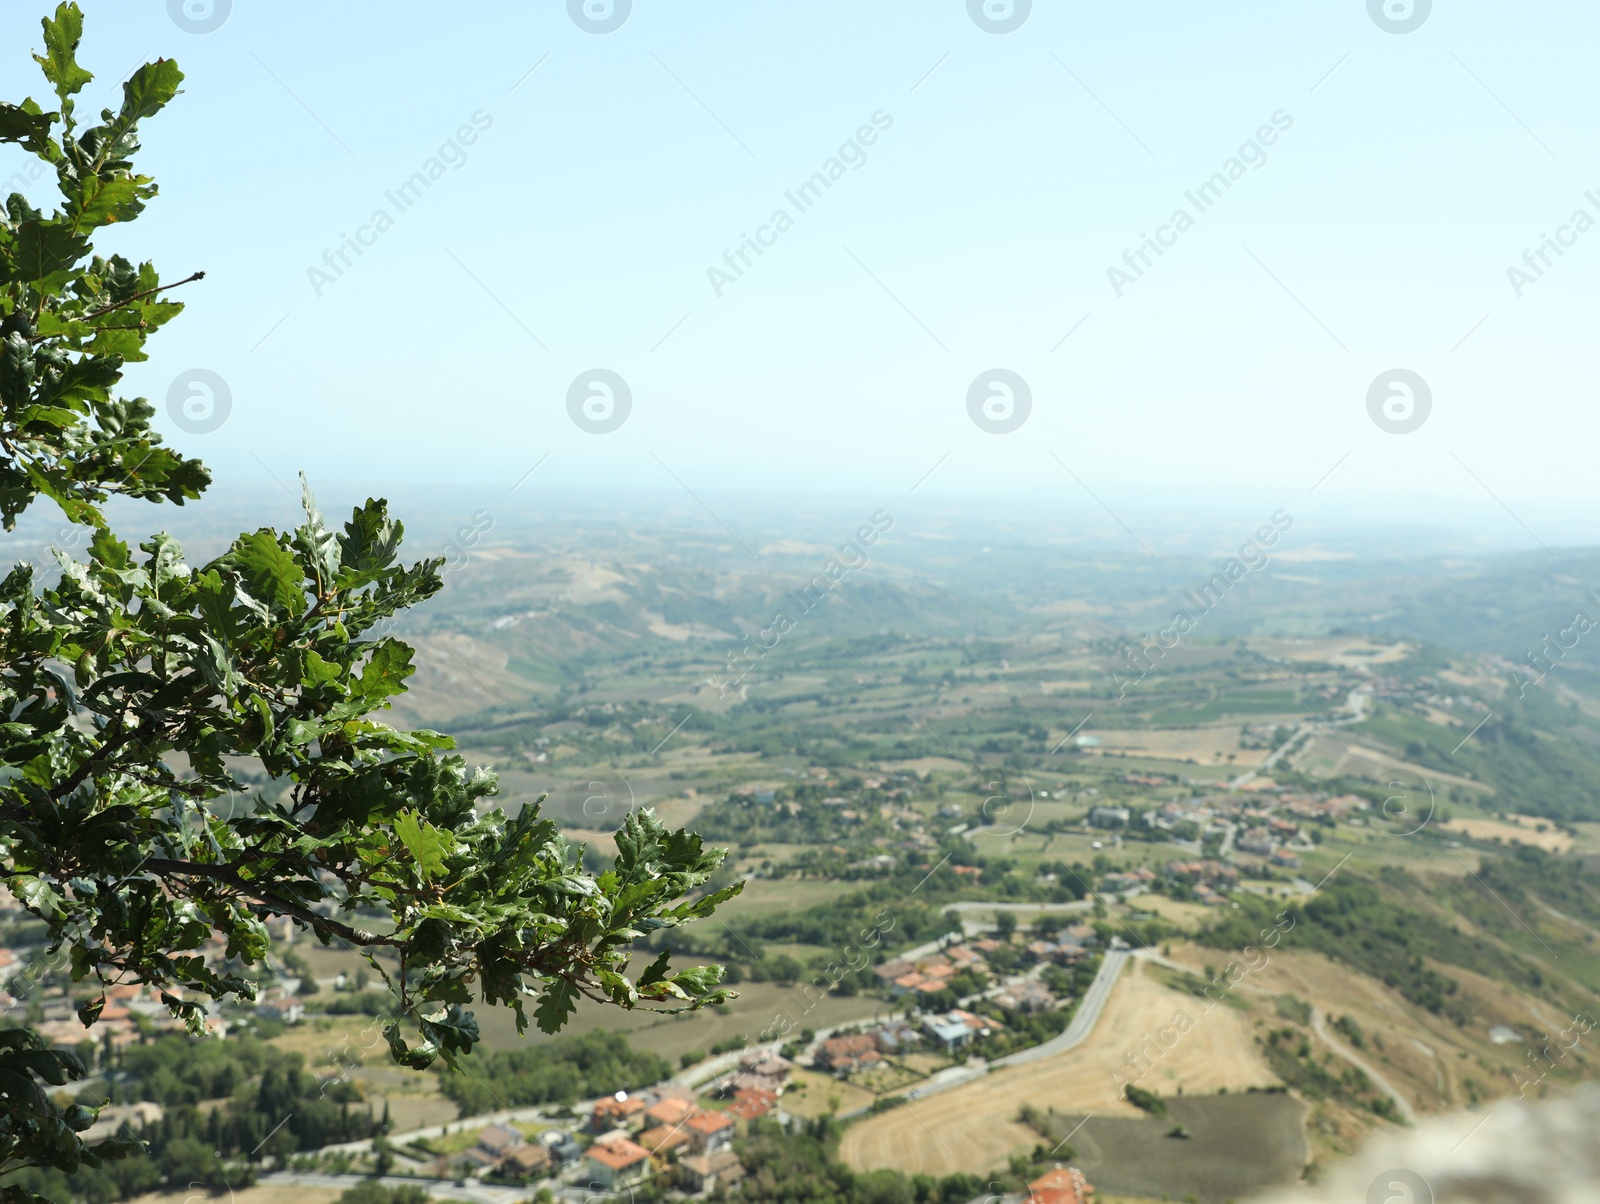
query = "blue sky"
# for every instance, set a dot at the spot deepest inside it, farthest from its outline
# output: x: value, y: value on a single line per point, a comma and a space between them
x: 609, y: 172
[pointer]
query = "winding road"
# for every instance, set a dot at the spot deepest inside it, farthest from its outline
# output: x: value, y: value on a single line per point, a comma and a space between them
x: 1320, y: 1027
x: 1357, y: 703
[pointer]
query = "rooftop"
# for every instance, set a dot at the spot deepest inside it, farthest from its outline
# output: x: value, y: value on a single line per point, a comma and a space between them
x: 663, y: 1138
x: 620, y: 1154
x: 709, y: 1122
x: 672, y: 1111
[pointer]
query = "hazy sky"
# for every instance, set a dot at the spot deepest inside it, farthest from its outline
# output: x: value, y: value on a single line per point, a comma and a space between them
x: 1008, y: 173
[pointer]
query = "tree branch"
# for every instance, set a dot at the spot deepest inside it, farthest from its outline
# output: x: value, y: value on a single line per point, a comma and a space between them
x: 149, y: 292
x: 76, y: 778
x: 161, y: 866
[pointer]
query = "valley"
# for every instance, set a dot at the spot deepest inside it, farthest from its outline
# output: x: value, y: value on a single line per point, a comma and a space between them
x: 1350, y: 867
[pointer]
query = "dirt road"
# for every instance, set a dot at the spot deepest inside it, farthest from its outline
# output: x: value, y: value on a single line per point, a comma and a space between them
x: 1342, y: 1048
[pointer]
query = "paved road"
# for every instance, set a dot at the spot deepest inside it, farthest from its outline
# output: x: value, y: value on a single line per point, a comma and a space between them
x: 1083, y: 1020
x: 704, y: 1072
x: 1277, y: 754
x: 444, y: 1189
x: 485, y: 1118
x: 979, y: 905
x: 1356, y: 702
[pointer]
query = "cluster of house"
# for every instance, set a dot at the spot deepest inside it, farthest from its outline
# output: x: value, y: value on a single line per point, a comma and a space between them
x: 1422, y: 692
x: 1120, y: 880
x: 1270, y: 821
x: 896, y: 788
x: 634, y: 1138
x: 848, y: 1053
x: 1257, y: 801
x: 128, y: 1007
x: 956, y: 1029
x: 881, y: 863
x: 1337, y: 807
x: 505, y: 1151
x: 1263, y: 842
x: 884, y: 797
x: 131, y: 1007
x: 1205, y: 876
x: 950, y: 1031
x: 931, y: 974
x: 636, y: 1135
x: 753, y: 1089
x: 1266, y: 818
x: 1070, y: 946
x: 1026, y: 995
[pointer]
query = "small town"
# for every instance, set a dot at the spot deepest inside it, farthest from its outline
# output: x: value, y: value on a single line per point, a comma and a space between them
x: 490, y: 716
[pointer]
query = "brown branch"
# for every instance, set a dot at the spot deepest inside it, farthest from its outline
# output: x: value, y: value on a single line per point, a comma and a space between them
x: 194, y: 789
x: 77, y: 776
x: 221, y: 873
x: 149, y: 292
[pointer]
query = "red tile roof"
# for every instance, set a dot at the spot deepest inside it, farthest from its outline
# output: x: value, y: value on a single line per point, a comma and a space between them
x: 618, y: 1109
x: 1064, y: 1185
x: 663, y: 1138
x: 750, y: 1108
x: 709, y: 1122
x: 619, y: 1155
x: 671, y: 1111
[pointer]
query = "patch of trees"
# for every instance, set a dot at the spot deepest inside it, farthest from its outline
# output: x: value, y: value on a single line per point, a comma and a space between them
x: 1146, y: 1101
x: 803, y: 1168
x: 1569, y: 884
x: 1291, y: 1056
x: 273, y: 1107
x: 558, y: 1072
x: 377, y: 1193
x: 796, y: 816
x: 1541, y: 758
x: 1023, y: 1030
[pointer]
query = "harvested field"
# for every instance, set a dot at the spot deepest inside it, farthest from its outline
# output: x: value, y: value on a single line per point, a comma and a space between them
x: 1425, y: 1056
x: 1188, y: 916
x: 1523, y: 830
x: 1237, y: 1144
x: 413, y: 1099
x: 1205, y: 745
x: 974, y: 1127
x: 1346, y: 651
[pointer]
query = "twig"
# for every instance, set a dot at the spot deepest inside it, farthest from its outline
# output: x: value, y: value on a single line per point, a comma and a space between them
x: 149, y: 292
